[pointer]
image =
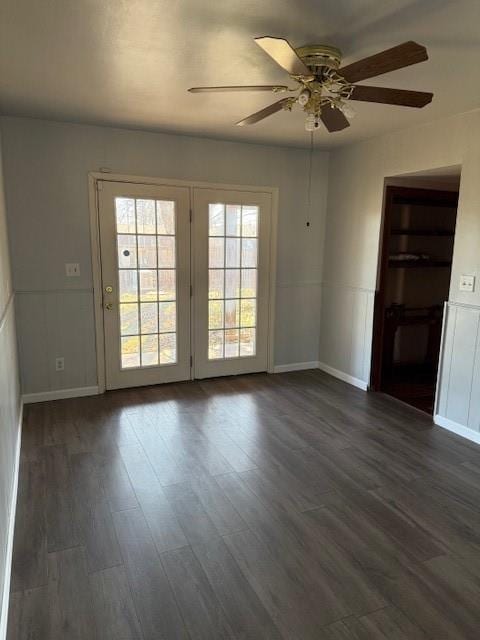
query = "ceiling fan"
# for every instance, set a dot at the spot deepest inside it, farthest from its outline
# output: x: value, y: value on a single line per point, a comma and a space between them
x: 325, y: 88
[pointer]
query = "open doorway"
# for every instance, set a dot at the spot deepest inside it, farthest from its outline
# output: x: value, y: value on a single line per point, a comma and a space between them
x: 413, y: 285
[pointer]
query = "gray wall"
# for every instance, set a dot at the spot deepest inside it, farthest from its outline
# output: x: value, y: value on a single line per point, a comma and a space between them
x: 355, y: 197
x: 46, y: 167
x: 9, y: 396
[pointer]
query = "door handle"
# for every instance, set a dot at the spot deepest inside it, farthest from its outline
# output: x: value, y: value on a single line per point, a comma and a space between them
x: 109, y: 289
x: 109, y: 306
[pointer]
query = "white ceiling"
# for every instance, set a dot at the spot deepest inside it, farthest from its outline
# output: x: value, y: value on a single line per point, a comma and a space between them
x: 130, y: 62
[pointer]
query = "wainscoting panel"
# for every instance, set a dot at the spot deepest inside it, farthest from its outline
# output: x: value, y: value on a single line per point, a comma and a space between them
x: 346, y: 330
x: 297, y: 318
x: 55, y: 324
x: 10, y: 427
x: 459, y: 380
x: 474, y: 412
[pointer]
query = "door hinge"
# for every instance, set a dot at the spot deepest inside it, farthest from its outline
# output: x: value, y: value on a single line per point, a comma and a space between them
x: 191, y: 215
x: 191, y: 361
x: 191, y: 291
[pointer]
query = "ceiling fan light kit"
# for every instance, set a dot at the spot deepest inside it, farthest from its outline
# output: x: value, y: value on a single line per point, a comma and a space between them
x: 324, y: 88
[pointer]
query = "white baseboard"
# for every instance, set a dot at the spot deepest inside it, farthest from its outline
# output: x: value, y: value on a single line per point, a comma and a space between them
x: 10, y: 532
x: 315, y: 364
x: 457, y: 428
x: 60, y: 394
x: 295, y: 366
x: 356, y: 382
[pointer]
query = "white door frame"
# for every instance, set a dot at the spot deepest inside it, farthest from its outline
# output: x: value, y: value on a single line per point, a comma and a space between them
x: 94, y: 177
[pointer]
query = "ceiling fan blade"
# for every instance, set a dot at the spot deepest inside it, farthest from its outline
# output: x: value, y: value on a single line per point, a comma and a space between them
x: 264, y: 113
x: 401, y: 97
x: 333, y: 119
x: 396, y: 58
x: 261, y: 87
x: 285, y: 55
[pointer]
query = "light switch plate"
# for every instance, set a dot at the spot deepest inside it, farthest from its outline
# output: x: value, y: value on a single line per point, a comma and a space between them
x: 467, y: 283
x: 72, y: 269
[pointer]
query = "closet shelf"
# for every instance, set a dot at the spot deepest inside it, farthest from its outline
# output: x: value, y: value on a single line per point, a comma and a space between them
x: 418, y: 264
x: 423, y: 232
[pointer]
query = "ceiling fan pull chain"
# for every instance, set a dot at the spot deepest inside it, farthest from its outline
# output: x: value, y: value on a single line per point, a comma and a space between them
x: 309, y: 186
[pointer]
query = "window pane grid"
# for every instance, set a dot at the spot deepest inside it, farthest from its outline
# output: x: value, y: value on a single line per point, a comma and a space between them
x: 147, y: 282
x: 160, y: 235
x: 232, y: 262
x: 169, y: 332
x: 138, y: 271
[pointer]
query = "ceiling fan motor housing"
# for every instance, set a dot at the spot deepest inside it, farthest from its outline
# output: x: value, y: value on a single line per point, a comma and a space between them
x: 319, y: 56
x: 326, y: 88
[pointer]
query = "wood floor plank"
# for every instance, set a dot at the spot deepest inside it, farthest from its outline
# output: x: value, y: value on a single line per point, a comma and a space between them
x: 337, y: 467
x: 389, y: 624
x: 359, y: 538
x: 166, y: 468
x: 62, y: 432
x: 302, y: 551
x: 203, y: 614
x: 385, y: 624
x: 453, y: 524
x: 155, y: 603
x: 348, y: 629
x: 440, y: 597
x: 266, y: 450
x: 166, y: 530
x: 70, y: 604
x: 195, y: 522
x: 296, y: 610
x: 218, y: 507
x: 231, y: 452
x: 408, y: 536
x: 29, y: 563
x: 92, y: 514
x: 29, y: 615
x: 277, y: 487
x: 243, y: 609
x: 456, y: 484
x: 409, y: 458
x: 116, y: 430
x: 60, y: 523
x: 115, y: 481
x: 56, y: 610
x: 194, y: 454
x: 115, y: 612
x: 33, y: 429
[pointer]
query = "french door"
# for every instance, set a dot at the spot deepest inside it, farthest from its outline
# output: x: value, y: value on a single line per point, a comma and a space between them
x: 145, y: 256
x: 231, y: 281
x: 185, y: 281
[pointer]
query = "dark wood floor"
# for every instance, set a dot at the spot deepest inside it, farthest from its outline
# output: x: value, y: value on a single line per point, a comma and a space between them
x: 260, y: 507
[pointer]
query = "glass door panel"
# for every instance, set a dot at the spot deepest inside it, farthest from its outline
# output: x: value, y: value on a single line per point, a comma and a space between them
x: 232, y: 234
x: 232, y: 259
x: 146, y: 266
x: 145, y: 248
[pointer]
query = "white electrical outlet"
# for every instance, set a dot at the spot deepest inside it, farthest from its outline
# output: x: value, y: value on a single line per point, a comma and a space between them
x: 59, y: 364
x: 467, y: 283
x: 72, y: 269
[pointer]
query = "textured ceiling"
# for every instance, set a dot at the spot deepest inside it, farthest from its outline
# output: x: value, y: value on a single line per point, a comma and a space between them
x: 130, y: 62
